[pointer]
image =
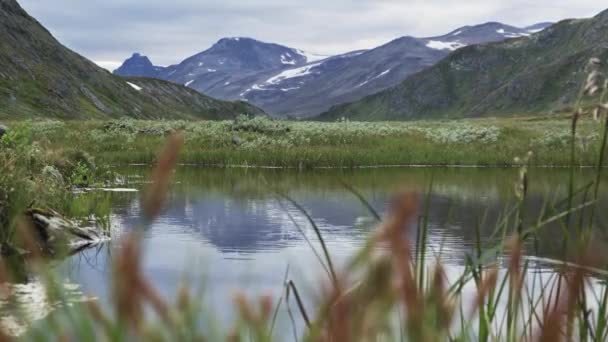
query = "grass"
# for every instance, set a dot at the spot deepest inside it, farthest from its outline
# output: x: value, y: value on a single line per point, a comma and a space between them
x: 32, y: 175
x: 265, y: 142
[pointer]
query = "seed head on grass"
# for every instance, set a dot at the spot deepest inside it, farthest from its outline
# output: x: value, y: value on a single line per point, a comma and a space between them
x: 131, y: 289
x: 156, y: 193
x: 554, y: 316
x: 515, y: 250
x: 486, y: 286
x: 256, y: 319
x: 128, y: 299
x: 403, y: 211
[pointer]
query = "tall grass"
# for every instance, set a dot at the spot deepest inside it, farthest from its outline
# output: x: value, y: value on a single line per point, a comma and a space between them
x: 303, y: 145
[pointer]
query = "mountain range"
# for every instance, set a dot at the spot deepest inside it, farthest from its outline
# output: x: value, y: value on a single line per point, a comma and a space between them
x: 289, y: 82
x: 528, y: 75
x: 481, y: 70
x: 39, y: 77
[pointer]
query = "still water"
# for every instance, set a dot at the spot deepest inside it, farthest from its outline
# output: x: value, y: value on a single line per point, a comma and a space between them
x: 229, y: 230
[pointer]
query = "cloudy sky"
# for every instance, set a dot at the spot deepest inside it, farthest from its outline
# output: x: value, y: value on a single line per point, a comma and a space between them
x: 108, y: 31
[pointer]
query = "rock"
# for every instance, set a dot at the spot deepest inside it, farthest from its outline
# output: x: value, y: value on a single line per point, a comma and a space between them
x: 236, y: 140
x: 3, y: 130
x: 52, y: 234
x: 94, y: 99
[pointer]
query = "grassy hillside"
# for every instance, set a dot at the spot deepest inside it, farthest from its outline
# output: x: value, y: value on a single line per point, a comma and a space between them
x: 39, y: 77
x: 518, y: 76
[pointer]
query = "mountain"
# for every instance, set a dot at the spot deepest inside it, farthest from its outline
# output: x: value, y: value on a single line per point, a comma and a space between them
x: 226, y: 69
x: 39, y: 77
x: 304, y: 87
x: 541, y: 72
x: 139, y: 66
x: 313, y: 88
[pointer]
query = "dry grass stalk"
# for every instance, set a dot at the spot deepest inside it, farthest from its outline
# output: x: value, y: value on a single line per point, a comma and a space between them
x: 554, y: 316
x: 155, y: 195
x: 515, y: 250
x: 487, y: 285
x: 131, y: 289
x: 128, y: 298
x: 403, y: 211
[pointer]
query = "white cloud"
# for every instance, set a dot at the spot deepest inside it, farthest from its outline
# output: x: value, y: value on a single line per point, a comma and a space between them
x: 169, y: 31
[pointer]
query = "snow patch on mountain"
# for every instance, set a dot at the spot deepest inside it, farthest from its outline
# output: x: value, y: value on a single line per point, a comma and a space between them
x: 287, y: 59
x: 310, y: 57
x: 373, y: 78
x: 439, y: 45
x: 293, y: 73
x: 135, y: 86
x: 189, y: 83
x: 511, y: 34
x: 252, y: 88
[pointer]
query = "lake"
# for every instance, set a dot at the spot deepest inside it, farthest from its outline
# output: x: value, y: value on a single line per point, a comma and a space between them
x: 232, y: 231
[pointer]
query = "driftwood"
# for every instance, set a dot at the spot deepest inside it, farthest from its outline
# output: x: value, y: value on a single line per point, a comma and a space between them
x: 52, y: 234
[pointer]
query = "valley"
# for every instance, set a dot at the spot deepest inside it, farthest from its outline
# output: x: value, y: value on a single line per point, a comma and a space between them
x: 414, y: 187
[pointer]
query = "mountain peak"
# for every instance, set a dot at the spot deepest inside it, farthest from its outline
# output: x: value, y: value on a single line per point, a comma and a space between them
x: 138, y: 65
x: 237, y: 42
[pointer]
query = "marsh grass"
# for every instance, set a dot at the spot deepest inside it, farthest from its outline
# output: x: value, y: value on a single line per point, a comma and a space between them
x: 302, y: 145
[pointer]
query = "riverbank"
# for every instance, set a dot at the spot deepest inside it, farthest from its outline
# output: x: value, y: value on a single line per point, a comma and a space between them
x: 34, y: 175
x: 262, y: 142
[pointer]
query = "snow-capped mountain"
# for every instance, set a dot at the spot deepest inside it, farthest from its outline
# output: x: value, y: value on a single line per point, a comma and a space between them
x: 289, y: 82
x: 226, y: 69
x: 313, y: 88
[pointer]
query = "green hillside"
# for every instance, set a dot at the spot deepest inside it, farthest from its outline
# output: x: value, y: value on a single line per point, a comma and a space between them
x: 39, y: 77
x: 540, y: 73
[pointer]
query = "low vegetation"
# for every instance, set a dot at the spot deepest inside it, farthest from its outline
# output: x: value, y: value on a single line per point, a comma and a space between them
x: 262, y: 141
x: 32, y: 175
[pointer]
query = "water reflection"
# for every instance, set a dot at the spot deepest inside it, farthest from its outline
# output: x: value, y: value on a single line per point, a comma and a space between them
x: 239, y: 211
x: 230, y: 228
x: 25, y: 303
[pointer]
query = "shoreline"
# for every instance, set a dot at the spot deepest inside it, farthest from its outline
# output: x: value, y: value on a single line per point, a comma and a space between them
x: 395, y: 166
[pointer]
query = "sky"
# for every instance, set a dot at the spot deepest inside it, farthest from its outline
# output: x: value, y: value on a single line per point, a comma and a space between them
x: 109, y: 31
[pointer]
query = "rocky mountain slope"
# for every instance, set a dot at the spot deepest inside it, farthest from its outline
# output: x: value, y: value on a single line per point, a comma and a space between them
x: 39, y: 77
x: 541, y: 72
x: 290, y: 83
